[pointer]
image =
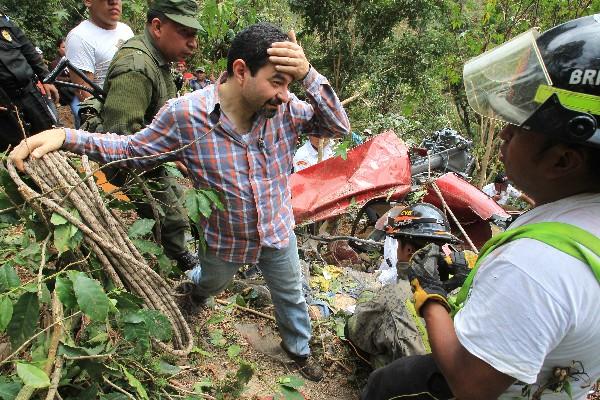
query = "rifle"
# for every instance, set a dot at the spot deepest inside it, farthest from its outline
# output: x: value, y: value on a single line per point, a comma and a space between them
x: 93, y: 89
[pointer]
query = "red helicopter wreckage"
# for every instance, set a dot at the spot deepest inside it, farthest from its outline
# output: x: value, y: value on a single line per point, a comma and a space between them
x: 382, y: 173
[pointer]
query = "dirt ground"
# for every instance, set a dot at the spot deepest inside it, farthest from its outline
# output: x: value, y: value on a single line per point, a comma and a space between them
x: 259, y: 343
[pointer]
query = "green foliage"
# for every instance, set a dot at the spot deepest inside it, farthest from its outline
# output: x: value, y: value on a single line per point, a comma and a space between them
x: 107, y: 332
x: 8, y: 389
x: 141, y: 325
x: 200, y: 202
x: 32, y: 376
x: 233, y: 351
x: 8, y: 278
x: 164, y: 368
x: 221, y: 20
x: 288, y: 388
x: 135, y: 383
x: 148, y: 247
x: 90, y: 296
x: 65, y: 292
x: 25, y: 319
x: 217, y: 338
x: 6, y: 312
x: 234, y: 385
x: 66, y: 235
x: 140, y: 227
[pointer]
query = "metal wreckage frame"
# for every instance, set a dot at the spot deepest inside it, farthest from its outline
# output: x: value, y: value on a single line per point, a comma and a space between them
x: 381, y: 174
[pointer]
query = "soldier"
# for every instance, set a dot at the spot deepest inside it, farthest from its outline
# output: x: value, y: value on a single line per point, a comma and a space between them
x: 138, y: 83
x: 200, y: 81
x: 20, y: 100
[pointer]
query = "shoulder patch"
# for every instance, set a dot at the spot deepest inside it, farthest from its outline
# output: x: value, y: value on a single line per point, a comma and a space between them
x: 6, y: 35
x: 138, y: 61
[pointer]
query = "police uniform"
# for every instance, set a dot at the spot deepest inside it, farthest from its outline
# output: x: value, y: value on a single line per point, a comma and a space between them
x: 138, y: 83
x: 20, y: 67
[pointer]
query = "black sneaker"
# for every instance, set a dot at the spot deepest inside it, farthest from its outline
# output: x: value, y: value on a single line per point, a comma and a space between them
x: 308, y: 366
x: 186, y: 261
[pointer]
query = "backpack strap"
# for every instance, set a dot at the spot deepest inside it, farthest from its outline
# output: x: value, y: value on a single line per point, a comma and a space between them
x: 567, y: 238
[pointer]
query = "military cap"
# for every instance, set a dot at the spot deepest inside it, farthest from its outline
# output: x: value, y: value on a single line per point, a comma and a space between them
x: 183, y: 12
x: 200, y: 69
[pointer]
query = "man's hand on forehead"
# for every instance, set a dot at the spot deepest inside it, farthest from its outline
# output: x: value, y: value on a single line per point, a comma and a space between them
x: 288, y: 57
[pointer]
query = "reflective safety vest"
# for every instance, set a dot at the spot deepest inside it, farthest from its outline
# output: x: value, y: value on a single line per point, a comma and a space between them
x: 567, y: 238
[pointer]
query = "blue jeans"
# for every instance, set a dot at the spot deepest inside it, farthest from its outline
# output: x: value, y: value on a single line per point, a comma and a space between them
x: 75, y: 111
x: 281, y: 270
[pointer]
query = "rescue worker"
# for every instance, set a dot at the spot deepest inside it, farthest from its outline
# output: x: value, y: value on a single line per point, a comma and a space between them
x: 20, y: 100
x: 385, y: 326
x: 527, y: 324
x: 138, y: 83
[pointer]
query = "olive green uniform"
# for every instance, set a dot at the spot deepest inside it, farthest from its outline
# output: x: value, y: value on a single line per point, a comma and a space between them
x: 138, y: 83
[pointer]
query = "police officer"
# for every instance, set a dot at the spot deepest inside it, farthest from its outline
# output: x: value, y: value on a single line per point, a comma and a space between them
x: 21, y: 103
x: 138, y: 83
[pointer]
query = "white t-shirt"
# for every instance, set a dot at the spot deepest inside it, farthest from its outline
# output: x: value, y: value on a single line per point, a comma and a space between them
x: 91, y: 48
x: 307, y: 155
x: 505, y: 195
x: 533, y: 308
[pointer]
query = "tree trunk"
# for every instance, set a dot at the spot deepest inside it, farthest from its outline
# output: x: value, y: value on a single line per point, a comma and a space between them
x: 489, y: 145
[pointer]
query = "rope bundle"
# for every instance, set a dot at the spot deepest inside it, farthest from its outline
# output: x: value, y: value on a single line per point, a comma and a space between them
x: 104, y: 234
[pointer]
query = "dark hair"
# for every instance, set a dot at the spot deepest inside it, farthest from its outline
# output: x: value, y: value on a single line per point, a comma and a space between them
x: 59, y: 42
x: 151, y: 14
x: 251, y: 45
x: 500, y: 177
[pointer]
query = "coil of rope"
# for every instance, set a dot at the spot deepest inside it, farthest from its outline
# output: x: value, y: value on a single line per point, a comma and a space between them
x: 104, y: 234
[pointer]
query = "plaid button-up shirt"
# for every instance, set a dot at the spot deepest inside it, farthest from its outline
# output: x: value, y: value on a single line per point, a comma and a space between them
x: 250, y: 171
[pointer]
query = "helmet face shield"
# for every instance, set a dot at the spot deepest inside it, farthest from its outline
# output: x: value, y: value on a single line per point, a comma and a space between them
x: 503, y: 83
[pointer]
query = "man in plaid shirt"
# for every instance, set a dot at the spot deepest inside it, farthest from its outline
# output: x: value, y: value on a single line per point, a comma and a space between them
x: 237, y: 137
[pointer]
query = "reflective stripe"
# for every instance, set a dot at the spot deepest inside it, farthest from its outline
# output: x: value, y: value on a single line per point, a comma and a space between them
x: 567, y: 238
x: 581, y: 102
